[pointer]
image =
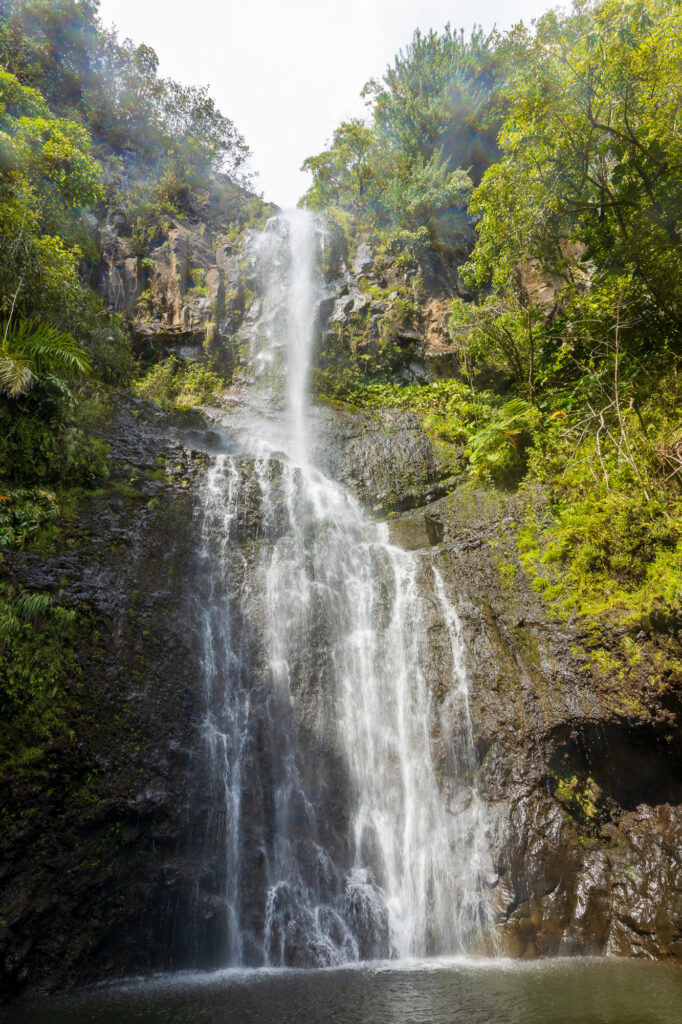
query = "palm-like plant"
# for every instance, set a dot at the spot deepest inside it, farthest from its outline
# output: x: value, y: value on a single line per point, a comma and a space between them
x: 28, y: 349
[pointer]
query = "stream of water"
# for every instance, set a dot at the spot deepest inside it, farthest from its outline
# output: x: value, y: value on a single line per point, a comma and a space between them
x: 350, y: 839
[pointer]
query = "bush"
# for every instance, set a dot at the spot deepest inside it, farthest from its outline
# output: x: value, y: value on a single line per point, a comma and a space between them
x: 22, y: 513
x: 42, y: 438
x: 499, y: 451
x: 38, y: 672
x: 174, y: 383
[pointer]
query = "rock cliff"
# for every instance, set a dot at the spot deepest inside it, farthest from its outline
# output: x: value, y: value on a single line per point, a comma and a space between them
x: 103, y: 861
x: 98, y: 826
x: 181, y: 285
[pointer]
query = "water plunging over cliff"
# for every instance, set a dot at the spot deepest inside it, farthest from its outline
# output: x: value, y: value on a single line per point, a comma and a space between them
x: 332, y: 838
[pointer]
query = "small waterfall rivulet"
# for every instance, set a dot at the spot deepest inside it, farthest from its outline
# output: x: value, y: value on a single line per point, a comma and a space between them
x: 331, y: 838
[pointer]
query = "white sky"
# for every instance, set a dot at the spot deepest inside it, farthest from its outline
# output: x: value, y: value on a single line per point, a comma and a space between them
x: 288, y: 71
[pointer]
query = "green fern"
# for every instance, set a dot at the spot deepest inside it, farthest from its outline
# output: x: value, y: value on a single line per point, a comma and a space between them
x: 20, y: 606
x: 22, y: 513
x: 30, y: 605
x: 498, y: 449
x: 28, y: 350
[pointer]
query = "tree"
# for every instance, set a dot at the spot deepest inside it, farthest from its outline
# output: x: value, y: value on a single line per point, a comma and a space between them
x: 47, y: 175
x: 499, y: 333
x: 433, y: 120
x: 50, y: 46
x: 430, y: 199
x: 591, y: 155
x: 85, y: 72
x: 344, y: 174
x: 441, y: 96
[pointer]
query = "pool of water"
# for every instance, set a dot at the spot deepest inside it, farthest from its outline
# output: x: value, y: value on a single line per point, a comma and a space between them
x: 447, y: 991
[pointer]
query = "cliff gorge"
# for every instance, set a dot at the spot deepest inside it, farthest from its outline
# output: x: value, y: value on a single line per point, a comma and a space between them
x: 104, y: 848
x: 340, y: 550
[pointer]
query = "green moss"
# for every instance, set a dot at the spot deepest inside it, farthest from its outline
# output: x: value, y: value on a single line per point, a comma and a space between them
x: 41, y: 643
x: 507, y: 571
x: 197, y: 276
x: 606, y: 557
x: 580, y: 797
x: 576, y: 797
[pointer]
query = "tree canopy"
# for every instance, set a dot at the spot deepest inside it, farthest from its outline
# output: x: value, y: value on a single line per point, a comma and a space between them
x: 86, y: 73
x: 432, y: 132
x: 47, y: 175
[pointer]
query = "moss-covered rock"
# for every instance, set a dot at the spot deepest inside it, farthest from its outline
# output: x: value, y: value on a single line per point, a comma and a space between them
x: 100, y: 704
x: 579, y: 729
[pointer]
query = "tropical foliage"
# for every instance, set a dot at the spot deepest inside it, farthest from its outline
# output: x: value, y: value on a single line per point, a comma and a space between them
x: 27, y: 351
x: 408, y: 172
x: 570, y: 340
x: 89, y: 132
x: 47, y: 175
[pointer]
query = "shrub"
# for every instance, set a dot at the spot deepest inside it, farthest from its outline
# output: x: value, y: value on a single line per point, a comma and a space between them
x: 22, y: 512
x: 174, y: 383
x: 499, y: 451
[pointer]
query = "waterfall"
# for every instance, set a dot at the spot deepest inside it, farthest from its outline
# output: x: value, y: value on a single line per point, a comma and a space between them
x: 289, y: 285
x: 333, y: 838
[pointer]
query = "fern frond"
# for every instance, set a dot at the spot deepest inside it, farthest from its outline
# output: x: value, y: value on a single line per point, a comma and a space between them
x: 15, y: 375
x: 27, y: 349
x: 29, y: 606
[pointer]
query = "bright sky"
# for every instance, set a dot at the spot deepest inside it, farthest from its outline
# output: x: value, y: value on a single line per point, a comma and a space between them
x: 288, y: 71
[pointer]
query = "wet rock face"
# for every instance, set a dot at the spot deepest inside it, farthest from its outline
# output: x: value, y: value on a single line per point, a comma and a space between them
x: 616, y: 892
x: 581, y: 776
x: 98, y: 846
x: 583, y: 788
x: 382, y: 457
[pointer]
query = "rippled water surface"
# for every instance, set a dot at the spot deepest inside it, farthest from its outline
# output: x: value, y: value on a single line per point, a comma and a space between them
x: 427, y: 992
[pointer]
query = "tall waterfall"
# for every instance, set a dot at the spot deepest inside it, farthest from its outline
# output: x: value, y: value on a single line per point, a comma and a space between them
x: 332, y: 838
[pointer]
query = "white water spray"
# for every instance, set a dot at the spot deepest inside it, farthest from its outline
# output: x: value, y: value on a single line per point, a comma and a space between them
x: 289, y: 279
x: 343, y: 630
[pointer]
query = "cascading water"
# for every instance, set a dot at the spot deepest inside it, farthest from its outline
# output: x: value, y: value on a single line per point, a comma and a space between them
x: 332, y: 838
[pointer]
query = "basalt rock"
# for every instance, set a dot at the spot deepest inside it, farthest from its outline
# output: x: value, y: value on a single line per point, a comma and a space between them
x: 97, y: 850
x: 383, y: 457
x: 372, y: 305
x: 580, y: 767
x: 184, y: 287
